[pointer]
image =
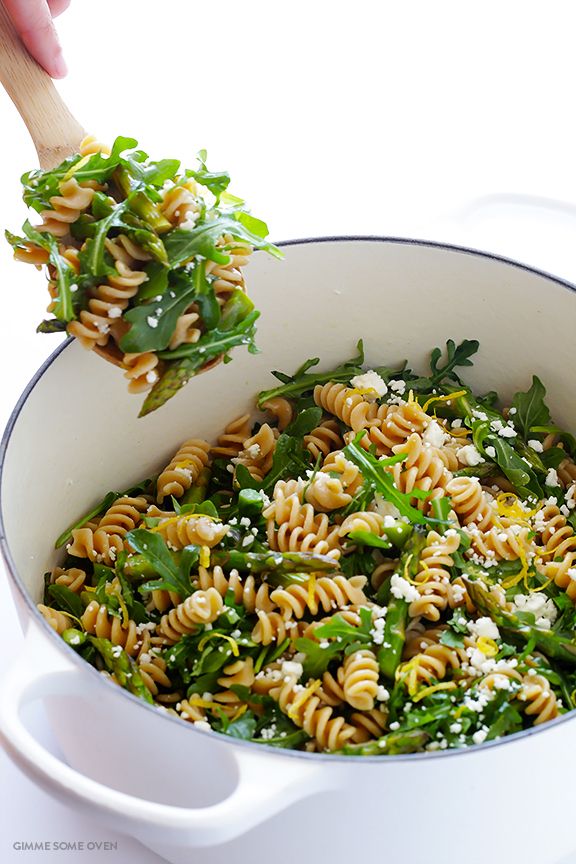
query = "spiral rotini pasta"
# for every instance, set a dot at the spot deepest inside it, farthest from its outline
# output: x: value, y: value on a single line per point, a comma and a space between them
x: 358, y: 676
x: 106, y: 541
x: 306, y: 710
x: 323, y: 439
x: 346, y: 404
x: 323, y: 592
x: 202, y: 607
x: 181, y: 531
x: 183, y: 469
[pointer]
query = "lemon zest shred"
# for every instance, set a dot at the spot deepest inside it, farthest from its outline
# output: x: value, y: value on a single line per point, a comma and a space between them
x: 302, y: 698
x: 229, y: 639
x: 420, y: 581
x: 406, y: 565
x: 459, y: 433
x: 88, y: 588
x: 541, y: 587
x: 198, y: 702
x: 204, y: 559
x: 408, y: 674
x: 426, y: 691
x: 69, y: 615
x: 116, y: 590
x: 446, y: 398
x: 513, y: 510
x: 487, y: 646
x: 242, y: 710
x: 76, y: 167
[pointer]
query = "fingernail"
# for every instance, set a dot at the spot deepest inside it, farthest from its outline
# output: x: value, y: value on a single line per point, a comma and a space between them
x: 59, y: 68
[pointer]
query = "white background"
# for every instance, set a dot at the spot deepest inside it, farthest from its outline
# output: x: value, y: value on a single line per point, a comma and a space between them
x: 332, y: 118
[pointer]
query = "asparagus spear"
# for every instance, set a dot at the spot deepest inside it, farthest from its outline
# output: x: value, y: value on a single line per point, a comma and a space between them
x: 277, y: 563
x: 390, y: 745
x: 395, y: 627
x: 122, y: 667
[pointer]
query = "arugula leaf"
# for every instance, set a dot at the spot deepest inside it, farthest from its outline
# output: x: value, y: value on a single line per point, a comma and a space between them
x: 304, y: 422
x: 346, y: 638
x: 244, y: 727
x: 303, y: 382
x: 64, y: 275
x: 216, y: 181
x: 154, y: 550
x: 366, y: 538
x: 184, y: 244
x: 451, y: 639
x: 531, y: 410
x: 66, y: 600
x: 152, y: 324
x: 456, y: 355
x: 373, y: 470
x: 103, y: 505
x: 515, y: 468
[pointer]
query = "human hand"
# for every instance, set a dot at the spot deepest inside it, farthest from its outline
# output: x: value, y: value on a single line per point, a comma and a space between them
x: 33, y: 22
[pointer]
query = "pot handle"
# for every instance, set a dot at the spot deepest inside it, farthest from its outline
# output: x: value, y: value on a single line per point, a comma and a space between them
x: 260, y: 792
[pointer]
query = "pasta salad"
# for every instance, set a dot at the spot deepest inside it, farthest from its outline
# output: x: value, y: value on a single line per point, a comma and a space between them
x: 144, y: 262
x: 375, y: 562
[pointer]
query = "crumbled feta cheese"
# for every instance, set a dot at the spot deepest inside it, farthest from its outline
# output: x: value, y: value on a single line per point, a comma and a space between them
x: 200, y: 724
x: 370, y: 381
x: 490, y: 452
x: 504, y: 430
x: 73, y: 288
x: 542, y: 608
x: 480, y: 736
x: 394, y: 726
x: 292, y: 669
x: 114, y: 312
x: 456, y: 424
x: 484, y: 627
x: 402, y: 589
x: 535, y: 445
x: 151, y: 321
x: 151, y: 376
x: 434, y: 434
x: 469, y: 455
x: 455, y: 728
x: 253, y: 451
x: 382, y: 694
x: 552, y: 478
x: 480, y: 415
x: 398, y: 386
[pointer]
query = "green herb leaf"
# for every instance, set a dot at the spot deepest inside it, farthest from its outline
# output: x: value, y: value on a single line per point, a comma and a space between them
x: 304, y: 382
x: 456, y: 355
x: 66, y: 600
x: 531, y: 409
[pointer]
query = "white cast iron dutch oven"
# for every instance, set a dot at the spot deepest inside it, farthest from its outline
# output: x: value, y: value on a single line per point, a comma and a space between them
x: 74, y: 435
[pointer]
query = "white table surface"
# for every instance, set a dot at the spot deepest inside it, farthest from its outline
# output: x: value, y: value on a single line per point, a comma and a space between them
x: 333, y: 118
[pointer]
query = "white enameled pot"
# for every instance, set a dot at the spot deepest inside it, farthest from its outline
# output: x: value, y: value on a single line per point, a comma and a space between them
x: 75, y: 434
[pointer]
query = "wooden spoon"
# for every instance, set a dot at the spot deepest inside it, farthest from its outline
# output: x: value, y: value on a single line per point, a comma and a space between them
x: 55, y: 132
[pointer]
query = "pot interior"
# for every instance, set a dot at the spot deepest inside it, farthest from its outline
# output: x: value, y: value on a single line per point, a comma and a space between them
x: 75, y: 434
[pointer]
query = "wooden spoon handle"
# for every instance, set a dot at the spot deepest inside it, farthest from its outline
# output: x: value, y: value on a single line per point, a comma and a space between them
x: 54, y: 131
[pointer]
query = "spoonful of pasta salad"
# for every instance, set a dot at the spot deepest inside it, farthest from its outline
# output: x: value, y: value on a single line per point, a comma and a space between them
x: 144, y: 258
